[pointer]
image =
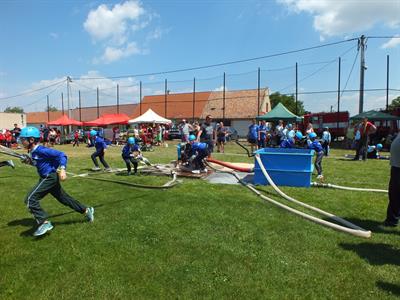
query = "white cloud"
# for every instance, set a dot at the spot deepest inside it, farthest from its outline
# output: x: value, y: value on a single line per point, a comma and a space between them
x: 54, y: 35
x: 392, y: 43
x: 114, y: 28
x: 220, y: 89
x: 103, y: 23
x: 341, y: 17
x: 112, y: 54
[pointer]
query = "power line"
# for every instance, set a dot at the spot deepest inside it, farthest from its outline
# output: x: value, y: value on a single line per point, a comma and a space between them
x: 32, y: 91
x: 225, y: 63
x: 41, y: 98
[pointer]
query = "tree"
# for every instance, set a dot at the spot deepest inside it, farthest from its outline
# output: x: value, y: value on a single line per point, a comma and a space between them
x: 51, y: 108
x: 287, y: 101
x: 15, y: 109
x: 395, y: 103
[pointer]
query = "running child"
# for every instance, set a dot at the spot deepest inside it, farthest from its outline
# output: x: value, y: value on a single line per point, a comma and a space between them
x: 314, y: 144
x: 101, y: 147
x: 48, y: 162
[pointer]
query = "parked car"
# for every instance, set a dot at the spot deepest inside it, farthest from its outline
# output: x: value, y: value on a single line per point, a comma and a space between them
x: 174, y: 133
x: 232, y: 133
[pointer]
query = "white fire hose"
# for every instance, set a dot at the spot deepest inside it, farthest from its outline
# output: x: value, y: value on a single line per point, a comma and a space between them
x: 353, y: 229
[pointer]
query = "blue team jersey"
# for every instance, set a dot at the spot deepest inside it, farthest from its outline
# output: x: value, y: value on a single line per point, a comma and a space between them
x: 315, y: 145
x: 262, y: 129
x: 198, y: 147
x: 47, y: 160
x: 288, y: 143
x: 128, y: 149
x: 253, y: 131
x: 99, y: 144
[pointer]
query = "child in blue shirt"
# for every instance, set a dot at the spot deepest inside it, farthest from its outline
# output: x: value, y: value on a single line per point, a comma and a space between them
x: 199, y: 151
x: 290, y: 142
x: 314, y: 144
x: 101, y: 147
x: 47, y: 162
x: 130, y: 154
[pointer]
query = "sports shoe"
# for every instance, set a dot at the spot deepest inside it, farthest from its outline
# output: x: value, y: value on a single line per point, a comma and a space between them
x: 320, y: 177
x: 109, y: 170
x: 11, y: 164
x: 89, y: 214
x: 43, y: 228
x: 129, y: 173
x: 96, y: 169
x: 204, y: 170
x: 389, y: 224
x: 196, y: 171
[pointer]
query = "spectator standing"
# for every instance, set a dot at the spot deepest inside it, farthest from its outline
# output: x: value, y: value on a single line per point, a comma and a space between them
x: 366, y: 128
x: 221, y: 137
x: 393, y: 209
x: 207, y: 134
x: 262, y: 134
x: 185, y: 129
x: 252, y: 135
x: 16, y: 133
x: 279, y: 132
x: 326, y: 140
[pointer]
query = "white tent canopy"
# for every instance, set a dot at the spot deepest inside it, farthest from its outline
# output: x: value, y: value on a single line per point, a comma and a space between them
x: 150, y: 117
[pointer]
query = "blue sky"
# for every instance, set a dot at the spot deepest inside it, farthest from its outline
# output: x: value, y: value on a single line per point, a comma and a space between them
x: 45, y: 41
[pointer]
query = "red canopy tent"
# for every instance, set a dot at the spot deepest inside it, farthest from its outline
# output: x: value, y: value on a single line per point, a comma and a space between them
x: 64, y: 120
x: 109, y: 119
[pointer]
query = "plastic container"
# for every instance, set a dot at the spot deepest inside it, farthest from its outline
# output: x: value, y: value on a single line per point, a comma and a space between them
x: 286, y: 166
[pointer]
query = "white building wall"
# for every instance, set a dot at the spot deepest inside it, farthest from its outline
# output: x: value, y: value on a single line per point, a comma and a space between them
x: 7, y: 120
x: 242, y: 127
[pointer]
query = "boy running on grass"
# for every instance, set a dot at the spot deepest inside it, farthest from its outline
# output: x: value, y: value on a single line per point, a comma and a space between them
x: 48, y: 162
x: 101, y: 147
x: 314, y: 144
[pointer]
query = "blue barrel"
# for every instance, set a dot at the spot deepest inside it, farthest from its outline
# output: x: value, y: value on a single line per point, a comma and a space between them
x: 286, y: 166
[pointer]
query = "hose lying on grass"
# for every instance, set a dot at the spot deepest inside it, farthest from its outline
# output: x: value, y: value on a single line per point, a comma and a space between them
x: 230, y: 166
x: 353, y: 230
x: 168, y: 185
x: 329, y: 185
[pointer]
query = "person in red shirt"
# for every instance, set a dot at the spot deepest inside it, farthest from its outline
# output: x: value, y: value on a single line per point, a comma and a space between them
x: 8, y: 136
x: 366, y: 128
x: 76, y: 139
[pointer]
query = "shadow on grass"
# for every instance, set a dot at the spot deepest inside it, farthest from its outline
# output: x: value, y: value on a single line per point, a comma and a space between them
x: 375, y: 254
x: 374, y: 226
x: 389, y: 287
x: 30, y: 222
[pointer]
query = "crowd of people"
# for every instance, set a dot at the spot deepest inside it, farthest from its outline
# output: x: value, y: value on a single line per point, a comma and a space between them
x: 9, y: 137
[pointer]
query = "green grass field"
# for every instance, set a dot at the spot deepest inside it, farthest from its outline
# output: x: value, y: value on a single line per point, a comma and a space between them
x: 196, y: 240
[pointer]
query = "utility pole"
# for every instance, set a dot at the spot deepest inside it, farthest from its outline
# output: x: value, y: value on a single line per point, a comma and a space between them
x: 69, y: 80
x: 361, y: 46
x: 338, y: 97
x: 297, y: 88
x: 387, y: 83
x: 258, y: 91
x: 223, y: 100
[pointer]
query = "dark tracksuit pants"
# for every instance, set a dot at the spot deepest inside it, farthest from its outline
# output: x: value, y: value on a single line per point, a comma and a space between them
x: 49, y: 184
x: 99, y: 154
x: 393, y: 210
x: 198, y: 161
x: 318, y: 162
x: 3, y: 164
x: 128, y: 161
x: 362, y: 148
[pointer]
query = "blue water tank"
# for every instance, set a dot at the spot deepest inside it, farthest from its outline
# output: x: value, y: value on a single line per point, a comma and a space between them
x: 286, y: 166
